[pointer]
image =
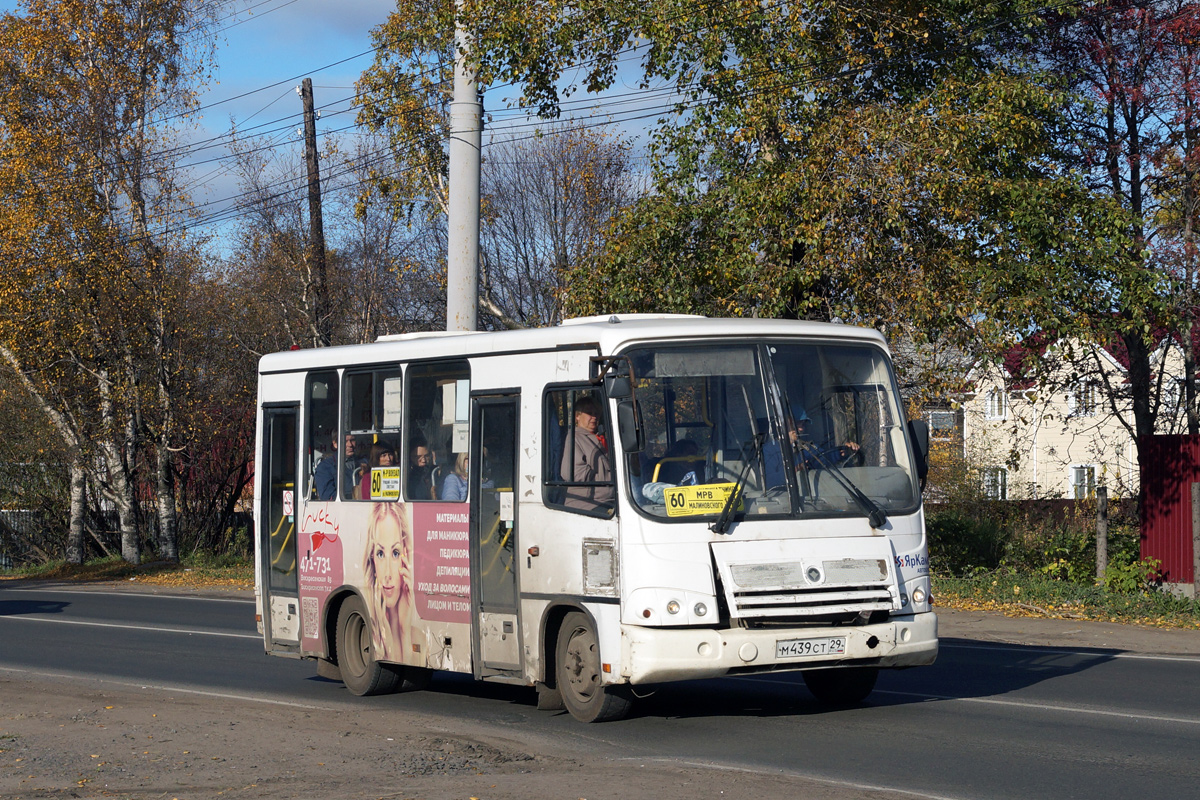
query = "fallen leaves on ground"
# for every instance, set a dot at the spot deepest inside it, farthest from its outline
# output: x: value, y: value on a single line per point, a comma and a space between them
x: 1069, y: 610
x: 159, y: 573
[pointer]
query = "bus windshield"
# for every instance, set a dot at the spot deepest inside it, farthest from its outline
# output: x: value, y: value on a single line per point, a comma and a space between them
x: 811, y: 429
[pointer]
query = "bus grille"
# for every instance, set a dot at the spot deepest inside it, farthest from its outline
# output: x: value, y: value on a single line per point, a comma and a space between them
x: 809, y: 589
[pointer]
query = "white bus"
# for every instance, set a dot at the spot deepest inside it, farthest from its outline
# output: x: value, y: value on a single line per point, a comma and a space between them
x: 613, y: 502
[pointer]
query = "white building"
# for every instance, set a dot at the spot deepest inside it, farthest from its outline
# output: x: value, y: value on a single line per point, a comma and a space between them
x: 1054, y: 420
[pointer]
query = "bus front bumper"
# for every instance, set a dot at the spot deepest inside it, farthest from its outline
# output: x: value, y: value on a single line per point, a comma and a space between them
x: 659, y: 655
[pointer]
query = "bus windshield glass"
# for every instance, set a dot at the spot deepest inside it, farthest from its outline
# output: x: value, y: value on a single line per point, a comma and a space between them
x: 811, y: 429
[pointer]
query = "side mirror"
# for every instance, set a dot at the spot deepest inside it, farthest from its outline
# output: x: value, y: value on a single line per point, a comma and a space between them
x: 918, y: 429
x: 617, y: 387
x: 633, y: 440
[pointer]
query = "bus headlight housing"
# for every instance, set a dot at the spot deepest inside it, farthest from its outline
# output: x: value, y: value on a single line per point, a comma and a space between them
x: 670, y: 605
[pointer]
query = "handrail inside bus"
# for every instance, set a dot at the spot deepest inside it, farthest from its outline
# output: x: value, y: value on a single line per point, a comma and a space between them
x: 666, y: 459
x: 283, y: 544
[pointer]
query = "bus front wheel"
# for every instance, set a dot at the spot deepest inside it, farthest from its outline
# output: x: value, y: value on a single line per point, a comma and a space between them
x: 841, y: 687
x: 361, y: 673
x: 579, y: 676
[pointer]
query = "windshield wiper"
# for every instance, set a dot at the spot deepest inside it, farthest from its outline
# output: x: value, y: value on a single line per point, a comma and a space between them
x: 734, y: 499
x: 876, y: 516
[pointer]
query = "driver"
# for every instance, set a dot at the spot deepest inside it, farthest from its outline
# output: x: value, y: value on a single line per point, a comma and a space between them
x: 806, y: 453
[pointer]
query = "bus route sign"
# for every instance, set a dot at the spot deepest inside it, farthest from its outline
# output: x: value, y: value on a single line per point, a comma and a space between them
x: 692, y: 501
x: 385, y: 483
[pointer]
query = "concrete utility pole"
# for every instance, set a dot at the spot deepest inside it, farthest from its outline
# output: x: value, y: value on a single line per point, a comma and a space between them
x: 466, y: 142
x: 320, y: 304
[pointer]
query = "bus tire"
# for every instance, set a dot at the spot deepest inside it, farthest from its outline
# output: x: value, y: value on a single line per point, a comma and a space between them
x: 579, y: 677
x: 328, y: 669
x: 841, y: 687
x: 548, y: 698
x: 361, y: 673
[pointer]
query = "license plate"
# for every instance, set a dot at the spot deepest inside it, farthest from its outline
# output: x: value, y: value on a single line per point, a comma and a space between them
x: 792, y: 648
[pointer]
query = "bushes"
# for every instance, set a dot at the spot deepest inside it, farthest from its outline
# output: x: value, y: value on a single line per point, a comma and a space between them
x: 1052, y: 539
x: 960, y: 544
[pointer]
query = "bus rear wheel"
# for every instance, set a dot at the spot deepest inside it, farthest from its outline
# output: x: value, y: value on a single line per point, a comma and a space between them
x: 579, y: 677
x: 361, y: 673
x: 841, y: 687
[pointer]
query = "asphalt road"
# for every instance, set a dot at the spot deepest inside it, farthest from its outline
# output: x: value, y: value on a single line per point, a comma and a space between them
x: 989, y: 720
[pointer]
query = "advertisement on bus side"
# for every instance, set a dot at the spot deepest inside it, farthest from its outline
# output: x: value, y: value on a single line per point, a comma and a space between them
x: 409, y: 561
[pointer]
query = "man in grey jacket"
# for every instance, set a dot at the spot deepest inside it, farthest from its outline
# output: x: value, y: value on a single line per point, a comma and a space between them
x: 587, y: 462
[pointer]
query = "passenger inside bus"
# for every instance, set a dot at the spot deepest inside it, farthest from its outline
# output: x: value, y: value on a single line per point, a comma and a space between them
x: 420, y: 471
x: 381, y: 456
x: 682, y: 464
x: 454, y: 487
x: 325, y: 475
x: 587, y: 461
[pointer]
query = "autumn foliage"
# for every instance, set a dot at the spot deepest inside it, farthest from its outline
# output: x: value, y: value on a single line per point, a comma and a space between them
x: 958, y: 173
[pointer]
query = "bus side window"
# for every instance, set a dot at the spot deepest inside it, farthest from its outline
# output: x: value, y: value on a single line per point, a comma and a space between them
x: 321, y: 395
x: 555, y: 430
x: 577, y: 472
x: 372, y: 417
x: 435, y: 426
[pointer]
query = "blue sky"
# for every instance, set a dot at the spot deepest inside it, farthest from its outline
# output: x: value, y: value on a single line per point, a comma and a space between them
x: 281, y: 41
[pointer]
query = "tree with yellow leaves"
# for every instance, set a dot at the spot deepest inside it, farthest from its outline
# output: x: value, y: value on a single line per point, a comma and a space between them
x: 91, y: 296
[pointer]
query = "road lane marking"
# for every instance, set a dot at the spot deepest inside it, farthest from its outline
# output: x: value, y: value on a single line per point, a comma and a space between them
x: 867, y: 787
x: 1093, y: 652
x: 40, y: 673
x: 1014, y: 703
x: 1099, y: 712
x: 150, y: 628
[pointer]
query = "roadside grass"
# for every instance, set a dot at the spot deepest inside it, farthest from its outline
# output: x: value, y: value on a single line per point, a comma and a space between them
x: 198, y: 571
x: 1018, y: 594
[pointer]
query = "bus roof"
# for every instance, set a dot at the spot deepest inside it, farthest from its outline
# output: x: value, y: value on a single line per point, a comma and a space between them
x: 606, y: 333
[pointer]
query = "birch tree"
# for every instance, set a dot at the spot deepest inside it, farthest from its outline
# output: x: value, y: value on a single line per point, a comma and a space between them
x: 90, y: 322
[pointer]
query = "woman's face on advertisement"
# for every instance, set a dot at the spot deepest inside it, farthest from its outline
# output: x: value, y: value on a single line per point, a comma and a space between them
x: 391, y: 561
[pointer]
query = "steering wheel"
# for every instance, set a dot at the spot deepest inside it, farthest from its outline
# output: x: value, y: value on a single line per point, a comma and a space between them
x: 848, y: 456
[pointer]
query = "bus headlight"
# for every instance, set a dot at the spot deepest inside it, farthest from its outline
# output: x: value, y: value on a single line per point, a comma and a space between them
x: 673, y: 607
x: 918, y: 595
x: 700, y: 610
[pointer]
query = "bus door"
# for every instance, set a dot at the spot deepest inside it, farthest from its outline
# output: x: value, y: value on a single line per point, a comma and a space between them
x: 277, y: 526
x: 493, y: 476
